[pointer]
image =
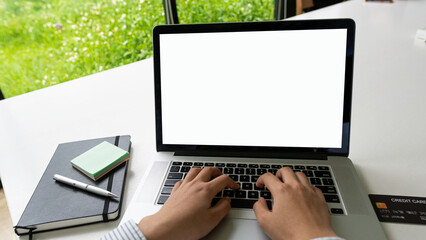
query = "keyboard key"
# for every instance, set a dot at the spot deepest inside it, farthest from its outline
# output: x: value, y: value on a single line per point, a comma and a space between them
x: 239, y: 171
x: 244, y: 178
x: 261, y: 171
x: 242, y: 165
x: 220, y: 165
x: 323, y: 168
x: 247, y: 186
x: 322, y: 174
x: 276, y: 166
x: 231, y: 165
x: 187, y: 163
x: 246, y: 203
x: 253, y: 194
x: 289, y: 166
x: 171, y: 182
x: 311, y: 167
x: 234, y: 177
x: 242, y: 203
x: 175, y: 176
x: 331, y: 198
x: 269, y: 203
x: 253, y: 165
x: 166, y: 190
x: 220, y: 169
x: 228, y: 170
x: 265, y: 166
x: 240, y: 194
x: 315, y: 181
x: 273, y: 171
x: 265, y: 195
x: 162, y: 199
x: 336, y: 210
x: 209, y: 164
x: 327, y: 189
x: 185, y: 169
x: 308, y: 173
x: 228, y: 193
x: 250, y: 171
x: 174, y: 168
x: 214, y: 201
x: 298, y: 167
x: 254, y: 178
x: 176, y: 163
x: 198, y: 164
x: 327, y: 181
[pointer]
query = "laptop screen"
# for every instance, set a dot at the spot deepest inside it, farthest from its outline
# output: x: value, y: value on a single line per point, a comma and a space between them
x: 277, y: 88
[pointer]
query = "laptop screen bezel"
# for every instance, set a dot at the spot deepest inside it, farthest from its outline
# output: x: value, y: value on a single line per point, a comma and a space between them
x: 253, y: 151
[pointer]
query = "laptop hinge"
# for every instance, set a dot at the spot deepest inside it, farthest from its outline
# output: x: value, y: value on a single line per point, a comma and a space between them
x: 301, y: 156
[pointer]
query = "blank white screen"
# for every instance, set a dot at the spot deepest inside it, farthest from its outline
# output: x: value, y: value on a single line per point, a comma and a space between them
x: 266, y: 88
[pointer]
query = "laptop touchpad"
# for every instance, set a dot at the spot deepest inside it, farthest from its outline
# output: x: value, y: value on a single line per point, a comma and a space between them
x: 152, y: 182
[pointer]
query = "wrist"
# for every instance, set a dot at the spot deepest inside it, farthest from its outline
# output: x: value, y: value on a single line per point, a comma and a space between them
x: 146, y: 227
x: 152, y: 228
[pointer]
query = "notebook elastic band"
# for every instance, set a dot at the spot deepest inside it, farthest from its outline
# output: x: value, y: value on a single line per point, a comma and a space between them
x: 109, y: 187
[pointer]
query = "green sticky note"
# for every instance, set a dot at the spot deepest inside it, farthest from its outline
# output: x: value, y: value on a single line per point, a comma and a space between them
x: 99, y: 160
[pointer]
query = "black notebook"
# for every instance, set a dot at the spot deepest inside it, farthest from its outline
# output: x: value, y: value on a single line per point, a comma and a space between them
x: 54, y: 205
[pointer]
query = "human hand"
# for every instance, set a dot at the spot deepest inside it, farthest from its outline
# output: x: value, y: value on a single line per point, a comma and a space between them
x: 299, y: 210
x: 188, y: 214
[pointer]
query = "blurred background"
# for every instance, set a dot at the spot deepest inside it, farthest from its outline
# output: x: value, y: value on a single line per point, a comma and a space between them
x: 46, y: 42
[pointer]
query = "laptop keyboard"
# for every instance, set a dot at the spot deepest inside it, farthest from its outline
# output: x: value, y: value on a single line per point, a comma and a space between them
x: 246, y: 174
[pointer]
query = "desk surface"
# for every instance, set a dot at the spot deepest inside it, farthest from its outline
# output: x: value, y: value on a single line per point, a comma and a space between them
x: 388, y: 119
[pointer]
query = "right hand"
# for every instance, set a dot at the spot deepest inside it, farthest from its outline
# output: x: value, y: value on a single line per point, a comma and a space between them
x: 299, y: 210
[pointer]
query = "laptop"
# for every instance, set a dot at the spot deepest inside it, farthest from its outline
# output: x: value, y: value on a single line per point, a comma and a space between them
x: 250, y: 98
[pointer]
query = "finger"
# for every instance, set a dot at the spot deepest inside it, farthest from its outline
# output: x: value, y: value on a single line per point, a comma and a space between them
x: 287, y: 175
x: 261, y: 211
x: 177, y: 185
x: 192, y: 174
x: 208, y: 173
x: 270, y: 181
x: 303, y: 179
x: 220, y: 210
x: 222, y: 182
x: 319, y: 194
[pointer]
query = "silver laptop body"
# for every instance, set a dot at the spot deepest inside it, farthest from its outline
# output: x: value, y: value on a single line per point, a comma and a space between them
x: 265, y: 95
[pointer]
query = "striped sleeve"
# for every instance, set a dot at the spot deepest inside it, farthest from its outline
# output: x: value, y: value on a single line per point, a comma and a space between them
x: 129, y: 230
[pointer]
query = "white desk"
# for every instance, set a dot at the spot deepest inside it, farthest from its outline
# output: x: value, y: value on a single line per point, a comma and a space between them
x: 388, y: 137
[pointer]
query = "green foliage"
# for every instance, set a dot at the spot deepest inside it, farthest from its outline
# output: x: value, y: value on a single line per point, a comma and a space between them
x: 46, y: 42
x: 209, y: 11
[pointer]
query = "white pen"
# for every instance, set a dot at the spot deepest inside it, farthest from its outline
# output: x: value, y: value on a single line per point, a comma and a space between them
x: 83, y: 186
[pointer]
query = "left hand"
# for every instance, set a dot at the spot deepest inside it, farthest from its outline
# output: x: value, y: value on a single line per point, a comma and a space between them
x: 188, y: 214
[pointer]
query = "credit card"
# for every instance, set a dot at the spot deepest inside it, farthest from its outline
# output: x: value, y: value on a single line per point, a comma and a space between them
x: 399, y: 209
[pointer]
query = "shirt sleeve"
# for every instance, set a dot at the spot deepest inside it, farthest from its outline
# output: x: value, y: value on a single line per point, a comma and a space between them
x: 128, y: 230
